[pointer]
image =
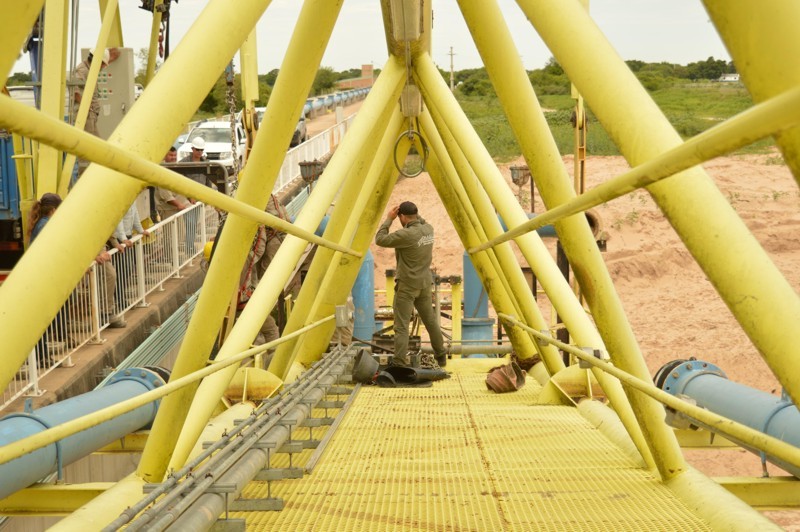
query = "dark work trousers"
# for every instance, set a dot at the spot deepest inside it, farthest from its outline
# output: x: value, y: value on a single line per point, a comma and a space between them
x: 406, y: 299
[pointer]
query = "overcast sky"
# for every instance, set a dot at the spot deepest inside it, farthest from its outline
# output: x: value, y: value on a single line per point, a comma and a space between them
x: 676, y: 31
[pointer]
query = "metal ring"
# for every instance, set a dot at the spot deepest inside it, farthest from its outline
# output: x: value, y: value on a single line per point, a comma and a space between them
x: 410, y: 134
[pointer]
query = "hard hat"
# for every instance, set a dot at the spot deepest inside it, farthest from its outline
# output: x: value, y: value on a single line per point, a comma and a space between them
x: 207, y: 250
x: 198, y: 143
x: 106, y: 56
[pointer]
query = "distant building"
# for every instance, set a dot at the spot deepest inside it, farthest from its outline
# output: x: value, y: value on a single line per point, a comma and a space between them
x: 365, y: 80
x: 729, y: 77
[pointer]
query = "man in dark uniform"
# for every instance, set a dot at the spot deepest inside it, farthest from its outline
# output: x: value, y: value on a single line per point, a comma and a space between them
x: 413, y: 249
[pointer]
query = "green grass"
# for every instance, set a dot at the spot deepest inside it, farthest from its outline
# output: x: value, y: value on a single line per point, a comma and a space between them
x: 690, y: 108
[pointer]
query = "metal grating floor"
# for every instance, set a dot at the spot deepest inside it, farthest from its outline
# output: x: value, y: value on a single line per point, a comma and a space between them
x: 458, y: 457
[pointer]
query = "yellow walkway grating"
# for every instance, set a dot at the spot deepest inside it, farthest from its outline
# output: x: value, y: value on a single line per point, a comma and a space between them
x: 457, y: 457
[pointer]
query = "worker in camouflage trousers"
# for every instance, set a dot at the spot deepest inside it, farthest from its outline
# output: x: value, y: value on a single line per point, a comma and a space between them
x: 413, y: 248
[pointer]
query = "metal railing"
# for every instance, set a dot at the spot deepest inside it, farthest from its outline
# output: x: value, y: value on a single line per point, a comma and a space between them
x: 107, y: 291
x: 312, y: 149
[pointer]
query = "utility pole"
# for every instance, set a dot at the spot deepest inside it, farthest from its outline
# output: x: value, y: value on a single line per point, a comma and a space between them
x: 452, y: 79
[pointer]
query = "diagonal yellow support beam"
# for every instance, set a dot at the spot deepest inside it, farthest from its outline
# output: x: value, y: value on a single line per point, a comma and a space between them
x: 763, y: 302
x: 51, y: 499
x: 331, y: 276
x: 525, y: 116
x: 54, y: 60
x: 152, y: 50
x: 27, y: 306
x: 458, y: 187
x: 109, y: 16
x: 486, y: 265
x: 15, y: 26
x: 29, y: 444
x: 115, y: 37
x: 34, y: 125
x: 764, y: 47
x: 355, y: 150
x: 299, y: 67
x: 776, y: 114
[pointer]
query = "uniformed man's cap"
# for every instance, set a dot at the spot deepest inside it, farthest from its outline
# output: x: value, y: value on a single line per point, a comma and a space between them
x: 407, y: 208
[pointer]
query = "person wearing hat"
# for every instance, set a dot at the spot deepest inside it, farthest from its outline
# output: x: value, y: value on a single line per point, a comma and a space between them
x: 413, y: 249
x: 79, y: 76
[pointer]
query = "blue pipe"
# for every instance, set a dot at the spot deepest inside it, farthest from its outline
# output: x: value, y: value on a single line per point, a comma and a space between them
x: 27, y: 469
x: 364, y: 299
x: 476, y: 323
x: 476, y: 300
x: 710, y: 388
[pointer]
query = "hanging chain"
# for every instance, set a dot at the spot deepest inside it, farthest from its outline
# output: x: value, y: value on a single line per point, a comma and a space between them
x: 231, y: 99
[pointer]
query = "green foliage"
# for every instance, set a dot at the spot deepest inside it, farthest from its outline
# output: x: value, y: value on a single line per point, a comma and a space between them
x: 325, y: 81
x: 270, y: 77
x: 141, y: 71
x: 19, y: 78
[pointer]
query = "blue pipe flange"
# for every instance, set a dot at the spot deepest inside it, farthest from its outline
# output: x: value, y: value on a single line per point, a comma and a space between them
x: 680, y: 375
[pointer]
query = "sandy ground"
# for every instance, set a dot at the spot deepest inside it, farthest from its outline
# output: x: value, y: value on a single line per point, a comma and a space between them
x: 673, y: 309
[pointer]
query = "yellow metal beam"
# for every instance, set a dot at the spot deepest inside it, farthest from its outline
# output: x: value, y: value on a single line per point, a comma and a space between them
x: 104, y: 508
x: 54, y: 60
x: 109, y: 15
x: 59, y: 432
x: 299, y: 67
x: 437, y: 96
x: 762, y: 45
x: 130, y: 443
x: 362, y: 137
x: 15, y: 26
x: 773, y: 493
x: 27, y: 305
x: 152, y: 51
x: 702, y: 439
x: 730, y: 256
x: 49, y: 499
x: 23, y: 119
x: 487, y: 270
x: 331, y: 276
x: 115, y: 37
x: 457, y: 183
x: 733, y: 429
x: 776, y: 114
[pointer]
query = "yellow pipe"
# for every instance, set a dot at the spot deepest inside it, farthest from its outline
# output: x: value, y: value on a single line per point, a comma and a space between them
x: 152, y: 52
x: 531, y: 245
x: 330, y: 277
x: 88, y: 92
x: 727, y: 427
x: 104, y: 508
x: 487, y: 270
x: 360, y: 137
x: 42, y: 439
x: 26, y: 304
x: 360, y: 228
x: 762, y: 44
x: 15, y: 26
x: 54, y: 56
x: 298, y: 70
x: 33, y: 124
x: 763, y: 302
x: 776, y: 114
x: 380, y: 109
x: 455, y: 298
x: 438, y: 96
x: 115, y: 37
x: 539, y: 148
x: 464, y: 189
x: 248, y: 56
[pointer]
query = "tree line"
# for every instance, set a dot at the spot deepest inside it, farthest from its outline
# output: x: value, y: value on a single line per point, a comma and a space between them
x: 551, y: 79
